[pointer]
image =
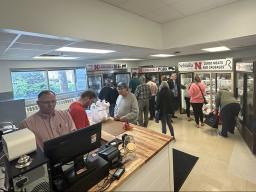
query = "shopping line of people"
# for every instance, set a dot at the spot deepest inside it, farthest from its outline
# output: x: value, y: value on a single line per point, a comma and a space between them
x: 131, y: 104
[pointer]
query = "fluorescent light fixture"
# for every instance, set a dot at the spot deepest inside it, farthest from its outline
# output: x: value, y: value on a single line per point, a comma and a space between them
x: 55, y: 58
x: 128, y: 59
x: 83, y: 50
x: 162, y: 55
x: 216, y: 49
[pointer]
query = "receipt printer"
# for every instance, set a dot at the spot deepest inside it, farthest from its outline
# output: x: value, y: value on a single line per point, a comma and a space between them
x: 111, y: 154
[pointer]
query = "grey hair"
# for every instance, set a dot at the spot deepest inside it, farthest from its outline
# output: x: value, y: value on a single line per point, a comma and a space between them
x: 163, y: 84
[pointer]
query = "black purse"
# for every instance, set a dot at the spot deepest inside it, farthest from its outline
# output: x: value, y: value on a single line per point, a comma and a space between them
x: 212, y: 120
x: 205, y: 101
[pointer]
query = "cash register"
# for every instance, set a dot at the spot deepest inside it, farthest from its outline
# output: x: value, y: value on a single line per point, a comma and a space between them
x: 72, y: 166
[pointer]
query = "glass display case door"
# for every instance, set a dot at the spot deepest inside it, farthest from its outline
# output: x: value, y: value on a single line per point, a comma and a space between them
x: 185, y: 79
x: 240, y: 94
x: 249, y: 105
x: 206, y: 78
x: 123, y: 77
x: 95, y: 83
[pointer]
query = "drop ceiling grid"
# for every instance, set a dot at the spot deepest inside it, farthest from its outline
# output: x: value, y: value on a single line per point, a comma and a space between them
x: 161, y: 10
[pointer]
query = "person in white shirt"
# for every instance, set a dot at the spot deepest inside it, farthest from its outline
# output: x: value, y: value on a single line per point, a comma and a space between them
x: 152, y: 101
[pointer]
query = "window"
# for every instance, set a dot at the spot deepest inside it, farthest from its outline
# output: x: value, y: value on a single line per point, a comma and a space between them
x: 62, y: 81
x: 27, y: 84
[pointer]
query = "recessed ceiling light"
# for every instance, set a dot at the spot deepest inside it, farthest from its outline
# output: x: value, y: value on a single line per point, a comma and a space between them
x: 216, y: 49
x: 84, y: 50
x: 162, y: 55
x: 128, y: 59
x: 55, y: 58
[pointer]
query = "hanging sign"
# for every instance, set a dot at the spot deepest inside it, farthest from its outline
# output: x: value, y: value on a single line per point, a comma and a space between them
x: 149, y: 70
x: 135, y: 70
x: 208, y: 65
x: 166, y: 69
x: 105, y: 67
x: 246, y: 67
x: 156, y: 69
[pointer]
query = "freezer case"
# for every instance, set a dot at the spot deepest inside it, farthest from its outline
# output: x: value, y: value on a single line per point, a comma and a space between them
x: 95, y: 83
x: 185, y: 79
x: 122, y: 77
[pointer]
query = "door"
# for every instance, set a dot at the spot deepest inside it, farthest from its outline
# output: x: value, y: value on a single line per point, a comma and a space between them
x: 122, y: 77
x: 95, y: 83
x: 249, y: 107
x: 185, y: 79
x: 108, y: 78
x: 240, y: 94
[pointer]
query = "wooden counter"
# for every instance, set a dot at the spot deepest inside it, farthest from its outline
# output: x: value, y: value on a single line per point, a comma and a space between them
x: 148, y: 144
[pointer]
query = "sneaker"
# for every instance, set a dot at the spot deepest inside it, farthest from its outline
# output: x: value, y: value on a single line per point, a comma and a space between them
x: 202, y: 124
x: 190, y: 119
x: 197, y: 125
x: 174, y: 116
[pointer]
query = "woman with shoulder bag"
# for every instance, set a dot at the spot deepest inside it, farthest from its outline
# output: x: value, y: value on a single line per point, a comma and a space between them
x: 197, y: 99
x: 164, y: 104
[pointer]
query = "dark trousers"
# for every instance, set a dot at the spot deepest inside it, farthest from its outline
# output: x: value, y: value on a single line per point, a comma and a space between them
x: 152, y: 104
x: 112, y: 109
x: 228, y: 117
x: 176, y: 104
x: 187, y: 99
x: 166, y: 119
x: 198, y: 112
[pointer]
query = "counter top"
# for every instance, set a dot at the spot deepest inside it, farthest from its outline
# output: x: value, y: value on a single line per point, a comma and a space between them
x: 148, y: 144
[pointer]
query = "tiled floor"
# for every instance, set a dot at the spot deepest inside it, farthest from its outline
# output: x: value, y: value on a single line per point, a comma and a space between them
x: 225, y: 164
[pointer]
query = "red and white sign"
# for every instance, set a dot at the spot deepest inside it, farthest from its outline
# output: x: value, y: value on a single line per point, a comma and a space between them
x: 156, y: 69
x: 208, y: 65
x: 246, y: 67
x: 105, y: 67
x: 135, y: 70
x: 149, y: 70
x: 166, y: 69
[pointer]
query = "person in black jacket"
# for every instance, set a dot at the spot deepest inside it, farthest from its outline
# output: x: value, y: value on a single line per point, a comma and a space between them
x: 110, y: 94
x: 164, y: 104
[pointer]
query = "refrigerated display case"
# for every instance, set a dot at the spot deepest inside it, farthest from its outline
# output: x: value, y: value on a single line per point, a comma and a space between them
x: 185, y: 79
x: 95, y: 83
x: 245, y: 93
x: 122, y: 77
x: 213, y: 73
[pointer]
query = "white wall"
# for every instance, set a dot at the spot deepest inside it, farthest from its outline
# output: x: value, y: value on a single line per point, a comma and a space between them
x: 6, y: 66
x: 230, y: 21
x: 82, y: 19
x: 246, y: 55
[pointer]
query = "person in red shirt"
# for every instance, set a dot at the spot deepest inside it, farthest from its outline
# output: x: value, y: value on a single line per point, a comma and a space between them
x: 77, y: 109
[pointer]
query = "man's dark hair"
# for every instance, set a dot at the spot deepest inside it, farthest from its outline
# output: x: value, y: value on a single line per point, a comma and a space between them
x: 45, y: 92
x: 88, y: 93
x: 134, y: 74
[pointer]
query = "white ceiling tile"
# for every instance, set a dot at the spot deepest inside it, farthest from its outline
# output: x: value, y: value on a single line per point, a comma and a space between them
x: 7, y: 37
x: 34, y: 46
x: 42, y: 40
x: 115, y: 2
x: 90, y: 44
x: 188, y: 7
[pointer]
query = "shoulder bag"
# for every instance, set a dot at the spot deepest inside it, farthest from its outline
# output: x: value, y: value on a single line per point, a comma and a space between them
x: 205, y: 102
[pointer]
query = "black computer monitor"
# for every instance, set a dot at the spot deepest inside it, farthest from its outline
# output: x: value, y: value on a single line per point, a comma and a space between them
x: 65, y: 148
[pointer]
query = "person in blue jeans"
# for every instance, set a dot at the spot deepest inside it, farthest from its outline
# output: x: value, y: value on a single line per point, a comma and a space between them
x: 165, y: 106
